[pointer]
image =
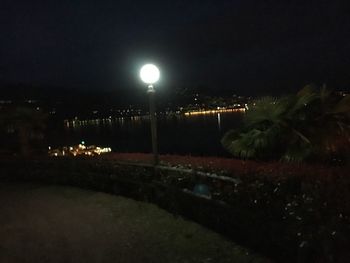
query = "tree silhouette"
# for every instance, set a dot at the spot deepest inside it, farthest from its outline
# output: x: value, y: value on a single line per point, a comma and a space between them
x: 313, y: 124
x: 26, y: 123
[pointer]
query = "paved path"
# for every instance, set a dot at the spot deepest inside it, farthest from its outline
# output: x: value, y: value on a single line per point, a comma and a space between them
x: 41, y: 223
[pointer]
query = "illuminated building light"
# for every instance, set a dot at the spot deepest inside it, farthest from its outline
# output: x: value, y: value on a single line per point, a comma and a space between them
x: 79, y: 150
x: 5, y: 101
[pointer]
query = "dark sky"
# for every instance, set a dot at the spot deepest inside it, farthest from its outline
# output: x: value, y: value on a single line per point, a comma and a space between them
x: 244, y: 46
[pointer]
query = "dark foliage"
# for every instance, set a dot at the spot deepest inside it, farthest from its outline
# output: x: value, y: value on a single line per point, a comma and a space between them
x: 313, y: 125
x: 22, y: 130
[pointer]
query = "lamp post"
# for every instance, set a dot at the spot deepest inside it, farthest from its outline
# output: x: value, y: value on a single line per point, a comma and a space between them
x: 150, y: 74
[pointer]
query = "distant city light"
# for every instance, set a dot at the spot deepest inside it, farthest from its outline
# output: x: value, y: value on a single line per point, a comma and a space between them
x: 149, y: 74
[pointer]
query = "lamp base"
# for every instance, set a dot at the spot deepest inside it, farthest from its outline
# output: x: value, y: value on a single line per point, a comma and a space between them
x: 151, y: 89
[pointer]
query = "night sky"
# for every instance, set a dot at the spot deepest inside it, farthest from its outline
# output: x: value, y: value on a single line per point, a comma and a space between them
x: 243, y: 46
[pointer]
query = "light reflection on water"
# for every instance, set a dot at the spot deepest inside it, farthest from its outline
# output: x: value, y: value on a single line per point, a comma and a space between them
x: 197, y: 135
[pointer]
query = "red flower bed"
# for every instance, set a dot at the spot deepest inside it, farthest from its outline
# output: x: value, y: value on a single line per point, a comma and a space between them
x: 237, y: 167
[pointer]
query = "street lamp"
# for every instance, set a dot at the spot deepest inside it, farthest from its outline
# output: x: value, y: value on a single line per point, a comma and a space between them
x: 150, y: 74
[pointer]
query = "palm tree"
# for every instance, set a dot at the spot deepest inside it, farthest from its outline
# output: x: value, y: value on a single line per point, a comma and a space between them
x: 310, y: 124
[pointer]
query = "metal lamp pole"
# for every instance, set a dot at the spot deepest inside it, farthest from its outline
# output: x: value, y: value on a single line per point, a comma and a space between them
x: 150, y: 74
x: 153, y: 118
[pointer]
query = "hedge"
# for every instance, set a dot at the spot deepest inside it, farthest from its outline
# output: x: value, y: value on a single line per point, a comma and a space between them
x: 287, y: 218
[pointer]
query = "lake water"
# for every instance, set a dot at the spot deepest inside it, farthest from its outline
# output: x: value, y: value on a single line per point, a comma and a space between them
x: 196, y: 135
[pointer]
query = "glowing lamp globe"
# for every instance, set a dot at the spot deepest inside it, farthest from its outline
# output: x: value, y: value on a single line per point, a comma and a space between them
x: 149, y: 74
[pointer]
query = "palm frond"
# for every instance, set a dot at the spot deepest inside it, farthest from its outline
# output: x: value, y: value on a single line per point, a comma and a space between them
x: 343, y: 106
x: 297, y: 153
x: 265, y: 110
x: 304, y: 98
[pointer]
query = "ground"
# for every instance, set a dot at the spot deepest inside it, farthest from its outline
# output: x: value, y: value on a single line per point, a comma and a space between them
x: 40, y: 223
